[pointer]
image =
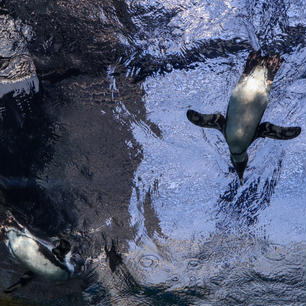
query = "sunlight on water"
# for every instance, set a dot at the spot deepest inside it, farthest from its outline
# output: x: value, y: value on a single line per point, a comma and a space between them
x: 96, y: 146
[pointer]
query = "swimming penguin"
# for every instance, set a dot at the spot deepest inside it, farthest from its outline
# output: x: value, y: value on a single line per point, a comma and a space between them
x: 40, y: 257
x: 246, y: 107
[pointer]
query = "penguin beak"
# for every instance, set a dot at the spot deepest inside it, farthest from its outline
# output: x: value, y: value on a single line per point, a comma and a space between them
x: 240, y: 167
x: 240, y: 171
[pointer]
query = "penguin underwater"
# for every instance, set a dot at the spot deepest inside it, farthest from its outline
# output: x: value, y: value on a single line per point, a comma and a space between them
x: 40, y: 257
x: 246, y: 107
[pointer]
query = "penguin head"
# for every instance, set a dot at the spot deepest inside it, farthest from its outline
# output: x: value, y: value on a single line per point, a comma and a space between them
x: 240, y: 162
x: 10, y: 223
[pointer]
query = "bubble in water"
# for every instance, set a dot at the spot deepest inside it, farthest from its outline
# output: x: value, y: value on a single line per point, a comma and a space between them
x: 149, y: 261
x: 272, y: 252
x: 193, y: 265
x: 204, y: 256
x: 174, y: 279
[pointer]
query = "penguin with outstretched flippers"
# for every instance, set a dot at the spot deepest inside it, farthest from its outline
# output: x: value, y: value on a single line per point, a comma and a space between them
x: 41, y: 258
x: 246, y: 107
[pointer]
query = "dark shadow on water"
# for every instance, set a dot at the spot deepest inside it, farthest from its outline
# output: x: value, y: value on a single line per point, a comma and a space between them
x: 243, y: 209
x: 26, y: 146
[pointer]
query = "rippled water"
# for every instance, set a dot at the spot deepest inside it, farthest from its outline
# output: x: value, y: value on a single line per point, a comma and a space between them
x: 95, y: 144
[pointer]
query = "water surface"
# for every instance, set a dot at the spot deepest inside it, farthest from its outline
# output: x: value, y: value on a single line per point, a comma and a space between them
x: 95, y: 144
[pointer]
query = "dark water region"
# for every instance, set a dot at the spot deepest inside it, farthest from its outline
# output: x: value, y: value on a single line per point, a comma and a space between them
x: 95, y: 147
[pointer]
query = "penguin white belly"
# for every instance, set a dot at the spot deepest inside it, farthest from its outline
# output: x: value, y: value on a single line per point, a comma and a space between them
x: 28, y: 252
x: 246, y: 107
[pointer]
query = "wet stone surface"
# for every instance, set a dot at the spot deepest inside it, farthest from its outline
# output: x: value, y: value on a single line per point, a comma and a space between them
x: 95, y: 146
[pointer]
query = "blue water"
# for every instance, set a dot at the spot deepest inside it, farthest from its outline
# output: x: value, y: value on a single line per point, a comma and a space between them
x: 150, y: 201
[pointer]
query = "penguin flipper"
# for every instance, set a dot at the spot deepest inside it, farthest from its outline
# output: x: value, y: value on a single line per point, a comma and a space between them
x: 215, y: 121
x: 25, y: 279
x: 267, y: 129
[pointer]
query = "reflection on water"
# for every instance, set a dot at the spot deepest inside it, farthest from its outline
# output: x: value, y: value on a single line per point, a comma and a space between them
x: 95, y: 145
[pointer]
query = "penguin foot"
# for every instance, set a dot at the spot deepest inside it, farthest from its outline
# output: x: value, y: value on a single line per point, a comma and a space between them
x: 271, y: 62
x: 253, y: 60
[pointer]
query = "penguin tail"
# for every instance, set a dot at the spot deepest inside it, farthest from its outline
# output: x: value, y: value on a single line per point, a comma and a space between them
x: 272, y: 63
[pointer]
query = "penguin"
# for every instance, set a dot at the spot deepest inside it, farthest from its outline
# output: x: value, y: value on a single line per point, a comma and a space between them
x: 245, y: 109
x: 42, y: 258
